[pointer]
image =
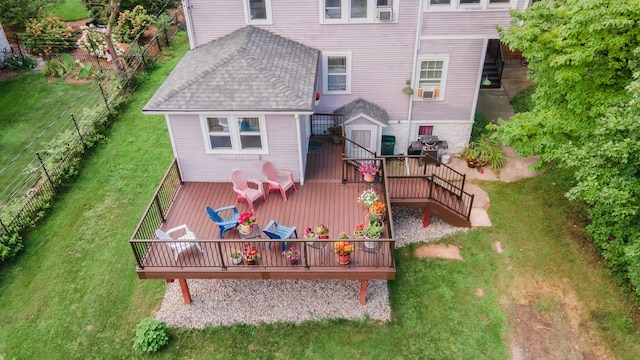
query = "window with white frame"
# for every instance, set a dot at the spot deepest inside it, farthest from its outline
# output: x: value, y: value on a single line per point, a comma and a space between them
x: 336, y: 68
x: 358, y: 10
x: 228, y: 134
x: 257, y: 11
x: 432, y: 78
x: 469, y: 4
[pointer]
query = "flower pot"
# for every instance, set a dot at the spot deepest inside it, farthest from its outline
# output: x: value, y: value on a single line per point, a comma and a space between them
x: 370, y: 244
x: 236, y: 261
x: 323, y: 236
x: 292, y: 260
x: 344, y: 260
x: 245, y: 229
x: 369, y: 177
x: 249, y: 261
x: 337, y: 139
x: 471, y: 164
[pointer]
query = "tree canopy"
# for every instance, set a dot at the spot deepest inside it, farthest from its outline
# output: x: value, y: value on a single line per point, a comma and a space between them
x: 583, y: 58
x: 19, y: 11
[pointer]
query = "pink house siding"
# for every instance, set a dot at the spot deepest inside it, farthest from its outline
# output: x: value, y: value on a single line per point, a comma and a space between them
x: 381, y: 53
x: 462, y: 80
x: 470, y: 23
x: 197, y: 165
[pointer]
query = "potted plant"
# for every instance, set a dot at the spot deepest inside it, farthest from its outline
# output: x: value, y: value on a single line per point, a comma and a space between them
x: 245, y: 222
x: 373, y: 230
x: 336, y: 133
x: 368, y: 197
x: 369, y: 171
x: 309, y: 234
x: 292, y: 255
x: 251, y: 254
x: 343, y: 235
x: 376, y: 211
x: 358, y: 231
x: 323, y: 231
x: 343, y: 249
x: 236, y: 256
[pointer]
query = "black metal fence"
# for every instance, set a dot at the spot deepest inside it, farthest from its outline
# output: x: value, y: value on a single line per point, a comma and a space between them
x: 313, y: 253
x: 25, y: 200
x: 156, y: 211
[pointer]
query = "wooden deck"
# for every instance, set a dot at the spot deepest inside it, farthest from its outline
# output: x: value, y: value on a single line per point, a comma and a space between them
x: 323, y: 199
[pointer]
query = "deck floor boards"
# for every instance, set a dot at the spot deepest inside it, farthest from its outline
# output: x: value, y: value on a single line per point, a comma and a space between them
x: 323, y: 199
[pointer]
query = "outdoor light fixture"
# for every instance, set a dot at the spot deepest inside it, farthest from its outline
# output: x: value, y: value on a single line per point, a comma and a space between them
x: 486, y: 81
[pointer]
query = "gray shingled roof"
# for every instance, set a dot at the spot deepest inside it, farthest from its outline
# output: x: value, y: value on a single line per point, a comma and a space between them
x: 250, y: 69
x: 362, y: 106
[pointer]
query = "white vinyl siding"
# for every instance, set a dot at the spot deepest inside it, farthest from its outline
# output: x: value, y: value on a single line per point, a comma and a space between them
x: 337, y: 72
x: 257, y: 12
x: 234, y: 134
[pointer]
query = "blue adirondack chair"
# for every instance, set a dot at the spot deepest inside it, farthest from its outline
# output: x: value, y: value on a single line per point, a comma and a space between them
x: 275, y: 231
x: 226, y: 223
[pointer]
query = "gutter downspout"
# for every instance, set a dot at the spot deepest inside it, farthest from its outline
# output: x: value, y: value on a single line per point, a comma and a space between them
x: 416, y: 49
x: 186, y: 6
x: 299, y: 132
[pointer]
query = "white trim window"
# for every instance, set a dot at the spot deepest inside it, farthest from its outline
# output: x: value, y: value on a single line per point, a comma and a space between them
x: 257, y: 12
x: 358, y: 11
x: 234, y: 134
x: 470, y: 4
x: 336, y: 70
x: 432, y: 77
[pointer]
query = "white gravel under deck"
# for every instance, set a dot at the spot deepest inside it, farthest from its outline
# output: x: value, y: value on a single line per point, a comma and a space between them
x: 227, y: 302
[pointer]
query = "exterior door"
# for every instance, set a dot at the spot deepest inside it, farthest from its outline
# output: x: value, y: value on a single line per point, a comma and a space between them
x: 363, y: 135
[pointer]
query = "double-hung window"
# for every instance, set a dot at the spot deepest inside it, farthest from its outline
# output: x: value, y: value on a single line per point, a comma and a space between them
x: 257, y: 11
x: 226, y: 134
x: 337, y: 72
x: 432, y: 78
x: 357, y: 11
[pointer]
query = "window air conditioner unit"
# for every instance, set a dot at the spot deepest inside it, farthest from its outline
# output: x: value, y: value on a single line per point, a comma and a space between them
x: 427, y: 93
x: 385, y: 14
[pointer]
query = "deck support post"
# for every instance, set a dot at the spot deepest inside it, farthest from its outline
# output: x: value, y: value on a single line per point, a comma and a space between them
x: 363, y: 291
x: 185, y: 291
x: 427, y: 217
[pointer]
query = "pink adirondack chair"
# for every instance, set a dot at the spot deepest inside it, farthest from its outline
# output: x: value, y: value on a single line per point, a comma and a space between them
x: 245, y: 192
x: 278, y: 179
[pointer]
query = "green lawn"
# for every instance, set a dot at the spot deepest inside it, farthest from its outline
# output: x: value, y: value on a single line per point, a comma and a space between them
x: 69, y: 10
x: 30, y: 109
x: 73, y: 292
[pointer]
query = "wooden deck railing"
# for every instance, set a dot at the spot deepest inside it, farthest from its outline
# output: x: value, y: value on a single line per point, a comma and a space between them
x: 215, y: 254
x: 415, y: 178
x: 156, y: 211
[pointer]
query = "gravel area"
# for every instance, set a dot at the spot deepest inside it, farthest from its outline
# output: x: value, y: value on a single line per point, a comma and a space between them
x: 227, y: 302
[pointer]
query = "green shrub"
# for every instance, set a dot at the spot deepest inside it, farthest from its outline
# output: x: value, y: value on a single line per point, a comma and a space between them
x: 48, y: 35
x: 131, y: 23
x: 59, y: 66
x: 17, y: 62
x: 10, y: 244
x: 485, y: 151
x: 523, y: 101
x: 479, y: 128
x: 151, y: 335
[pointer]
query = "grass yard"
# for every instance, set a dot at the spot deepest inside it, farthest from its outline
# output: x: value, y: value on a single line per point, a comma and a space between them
x: 29, y: 111
x: 73, y: 292
x: 69, y: 10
